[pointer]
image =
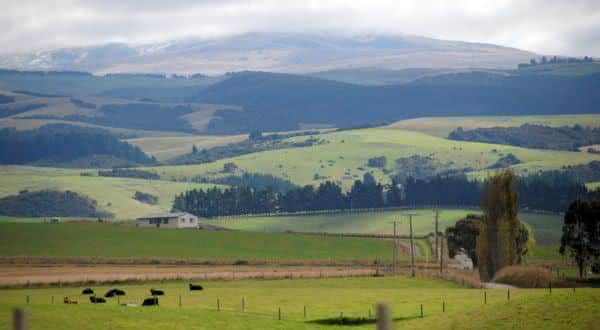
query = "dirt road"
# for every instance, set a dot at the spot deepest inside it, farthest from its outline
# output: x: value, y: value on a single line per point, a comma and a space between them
x: 21, y: 275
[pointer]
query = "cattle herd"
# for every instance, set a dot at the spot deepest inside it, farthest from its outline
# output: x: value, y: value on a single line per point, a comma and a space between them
x: 151, y: 301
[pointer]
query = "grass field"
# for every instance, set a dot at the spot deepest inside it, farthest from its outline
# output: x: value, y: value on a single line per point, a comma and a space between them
x: 344, y: 157
x: 127, y: 241
x: 113, y: 194
x: 325, y: 301
x: 546, y: 226
x: 442, y: 126
x: 164, y: 148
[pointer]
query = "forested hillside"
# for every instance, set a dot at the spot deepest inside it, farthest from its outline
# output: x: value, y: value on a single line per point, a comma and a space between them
x: 532, y: 136
x: 287, y: 102
x: 59, y: 144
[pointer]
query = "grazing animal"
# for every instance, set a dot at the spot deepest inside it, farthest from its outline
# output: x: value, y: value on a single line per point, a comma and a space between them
x: 114, y: 292
x: 156, y: 292
x: 153, y: 301
x: 97, y: 300
x: 196, y: 287
x: 67, y: 300
x: 87, y: 291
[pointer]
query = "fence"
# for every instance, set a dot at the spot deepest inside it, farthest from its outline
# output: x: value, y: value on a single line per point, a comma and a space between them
x: 303, y: 312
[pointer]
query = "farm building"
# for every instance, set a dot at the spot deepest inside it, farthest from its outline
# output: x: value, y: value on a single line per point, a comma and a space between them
x: 168, y: 220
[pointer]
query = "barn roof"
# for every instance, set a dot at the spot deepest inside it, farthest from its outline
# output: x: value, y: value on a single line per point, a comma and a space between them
x: 166, y: 215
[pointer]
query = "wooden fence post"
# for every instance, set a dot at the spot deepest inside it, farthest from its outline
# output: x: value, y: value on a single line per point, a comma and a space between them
x: 384, y: 317
x: 443, y: 306
x: 508, y: 294
x: 279, y: 314
x: 421, y: 310
x: 19, y: 319
x: 218, y: 304
x: 243, y: 304
x: 484, y: 297
x: 304, y: 311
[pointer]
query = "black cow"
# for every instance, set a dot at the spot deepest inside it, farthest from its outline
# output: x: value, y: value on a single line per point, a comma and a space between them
x: 97, y: 300
x: 114, y: 292
x: 196, y: 287
x: 156, y: 292
x: 153, y: 301
x: 87, y: 291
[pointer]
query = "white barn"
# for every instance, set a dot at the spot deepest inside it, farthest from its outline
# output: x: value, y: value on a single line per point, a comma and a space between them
x: 168, y: 220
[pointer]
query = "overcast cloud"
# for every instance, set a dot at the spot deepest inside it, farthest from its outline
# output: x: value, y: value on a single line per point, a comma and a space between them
x: 568, y: 27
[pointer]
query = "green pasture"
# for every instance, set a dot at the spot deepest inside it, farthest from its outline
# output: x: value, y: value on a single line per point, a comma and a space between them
x: 325, y: 300
x: 113, y: 194
x: 363, y: 223
x: 127, y: 241
x: 345, y: 154
x: 442, y: 126
x: 547, y: 227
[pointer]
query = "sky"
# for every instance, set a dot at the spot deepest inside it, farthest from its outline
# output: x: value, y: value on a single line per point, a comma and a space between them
x: 552, y: 27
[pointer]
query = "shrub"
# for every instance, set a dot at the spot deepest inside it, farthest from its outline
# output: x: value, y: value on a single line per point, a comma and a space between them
x: 524, y: 276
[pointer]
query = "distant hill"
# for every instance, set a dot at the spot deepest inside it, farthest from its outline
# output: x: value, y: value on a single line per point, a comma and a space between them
x: 272, y: 101
x: 277, y: 52
x: 374, y: 76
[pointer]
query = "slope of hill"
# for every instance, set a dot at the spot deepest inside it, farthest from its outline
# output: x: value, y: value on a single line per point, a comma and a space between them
x: 442, y: 126
x: 345, y: 154
x: 287, y: 102
x: 128, y: 86
x: 123, y: 117
x: 279, y: 52
x: 114, y: 195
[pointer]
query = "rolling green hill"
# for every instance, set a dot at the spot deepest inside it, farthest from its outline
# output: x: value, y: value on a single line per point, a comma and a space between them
x: 112, y: 194
x: 344, y: 156
x: 442, y: 126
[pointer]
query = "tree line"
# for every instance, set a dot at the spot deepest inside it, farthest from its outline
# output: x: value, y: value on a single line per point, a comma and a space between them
x: 550, y: 192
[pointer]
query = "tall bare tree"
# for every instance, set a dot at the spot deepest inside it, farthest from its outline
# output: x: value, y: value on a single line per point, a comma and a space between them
x: 496, y: 244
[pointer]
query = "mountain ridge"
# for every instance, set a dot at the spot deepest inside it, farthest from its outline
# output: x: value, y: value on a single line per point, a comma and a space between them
x: 276, y: 52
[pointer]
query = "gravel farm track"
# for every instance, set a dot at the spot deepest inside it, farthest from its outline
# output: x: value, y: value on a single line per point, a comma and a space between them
x: 40, y: 275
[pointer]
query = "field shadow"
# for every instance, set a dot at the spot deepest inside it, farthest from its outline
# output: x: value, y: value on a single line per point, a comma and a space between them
x: 355, y: 321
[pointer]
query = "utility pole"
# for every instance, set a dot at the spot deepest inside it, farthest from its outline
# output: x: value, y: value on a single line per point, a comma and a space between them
x: 442, y: 256
x: 395, y: 254
x: 437, y: 215
x: 412, y: 247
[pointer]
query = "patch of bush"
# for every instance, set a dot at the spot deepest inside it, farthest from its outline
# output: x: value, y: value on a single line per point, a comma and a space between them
x: 524, y: 276
x: 9, y: 109
x: 6, y: 99
x: 532, y: 136
x: 82, y: 104
x: 256, y: 181
x: 129, y: 173
x: 145, y: 198
x: 505, y: 161
x: 50, y: 203
x: 377, y: 162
